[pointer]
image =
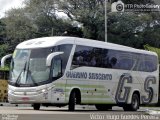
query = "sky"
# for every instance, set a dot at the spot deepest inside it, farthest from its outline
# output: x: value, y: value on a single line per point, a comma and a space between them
x: 8, y: 4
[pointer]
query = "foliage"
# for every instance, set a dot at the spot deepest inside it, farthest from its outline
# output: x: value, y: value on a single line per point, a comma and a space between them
x: 85, y: 18
x: 6, y: 68
x: 133, y: 29
x: 3, y: 49
x: 124, y: 29
x: 89, y: 13
x: 36, y: 19
x: 18, y: 26
x: 2, y: 32
x: 137, y: 1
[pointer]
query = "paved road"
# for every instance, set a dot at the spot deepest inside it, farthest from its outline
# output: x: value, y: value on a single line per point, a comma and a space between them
x: 81, y: 113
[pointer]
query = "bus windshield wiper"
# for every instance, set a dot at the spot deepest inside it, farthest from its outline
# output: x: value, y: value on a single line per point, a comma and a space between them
x: 17, y: 80
x: 29, y: 73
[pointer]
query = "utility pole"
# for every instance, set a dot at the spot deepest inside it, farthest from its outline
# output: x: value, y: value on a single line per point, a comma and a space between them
x: 105, y: 20
x: 52, y: 32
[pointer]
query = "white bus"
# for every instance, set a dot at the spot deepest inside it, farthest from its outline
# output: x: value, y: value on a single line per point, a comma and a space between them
x: 68, y: 71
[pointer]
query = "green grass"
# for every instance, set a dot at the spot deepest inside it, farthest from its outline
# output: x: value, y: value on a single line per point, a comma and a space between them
x: 6, y: 68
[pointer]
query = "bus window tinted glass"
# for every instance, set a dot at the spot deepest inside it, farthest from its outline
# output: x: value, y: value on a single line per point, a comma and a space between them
x: 113, y: 59
x: 147, y: 66
x: 67, y: 50
x: 125, y: 63
x: 89, y: 56
x: 84, y: 56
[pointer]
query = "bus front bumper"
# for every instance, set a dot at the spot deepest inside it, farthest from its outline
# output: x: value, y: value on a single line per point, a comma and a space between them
x: 27, y: 97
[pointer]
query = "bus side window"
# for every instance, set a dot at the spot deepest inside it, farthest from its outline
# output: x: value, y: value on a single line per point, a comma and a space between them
x: 112, y: 62
x: 66, y: 48
x: 147, y: 66
x: 141, y: 67
x: 81, y: 57
x: 150, y: 66
x: 125, y: 63
x: 56, y: 67
x: 77, y: 61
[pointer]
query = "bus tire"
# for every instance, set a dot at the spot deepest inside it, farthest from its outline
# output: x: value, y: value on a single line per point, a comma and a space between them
x: 101, y: 107
x: 36, y: 106
x: 72, y: 101
x: 134, y: 106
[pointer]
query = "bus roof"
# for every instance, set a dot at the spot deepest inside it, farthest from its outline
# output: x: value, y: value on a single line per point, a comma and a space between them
x: 45, y: 42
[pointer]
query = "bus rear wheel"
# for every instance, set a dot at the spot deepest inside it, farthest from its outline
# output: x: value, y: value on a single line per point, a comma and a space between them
x: 36, y: 106
x: 72, y: 102
x: 134, y: 106
x: 103, y: 107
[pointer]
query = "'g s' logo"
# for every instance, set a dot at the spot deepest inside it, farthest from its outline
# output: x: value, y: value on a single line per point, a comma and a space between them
x: 119, y: 97
x: 148, y: 89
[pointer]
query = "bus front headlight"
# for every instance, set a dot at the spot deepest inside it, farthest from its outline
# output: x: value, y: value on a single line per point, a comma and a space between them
x: 10, y: 92
x: 44, y: 90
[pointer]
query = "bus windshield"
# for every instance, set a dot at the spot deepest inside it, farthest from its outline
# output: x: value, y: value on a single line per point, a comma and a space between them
x: 29, y: 66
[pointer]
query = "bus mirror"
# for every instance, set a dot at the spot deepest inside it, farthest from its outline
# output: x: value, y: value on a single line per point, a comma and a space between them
x: 4, y: 59
x: 51, y: 56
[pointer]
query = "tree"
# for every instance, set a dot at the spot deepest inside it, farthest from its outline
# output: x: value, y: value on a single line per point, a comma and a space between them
x: 2, y: 32
x: 44, y: 15
x: 36, y: 19
x: 3, y: 50
x: 137, y: 1
x: 134, y: 29
x: 3, y: 41
x: 89, y: 13
x: 19, y: 27
x: 40, y: 18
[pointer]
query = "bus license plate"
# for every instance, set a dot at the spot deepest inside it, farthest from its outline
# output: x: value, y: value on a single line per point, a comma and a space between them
x: 25, y: 98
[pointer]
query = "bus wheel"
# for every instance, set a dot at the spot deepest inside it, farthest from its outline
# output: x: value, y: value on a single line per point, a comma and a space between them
x: 36, y: 106
x: 72, y: 102
x: 134, y: 106
x: 103, y: 107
